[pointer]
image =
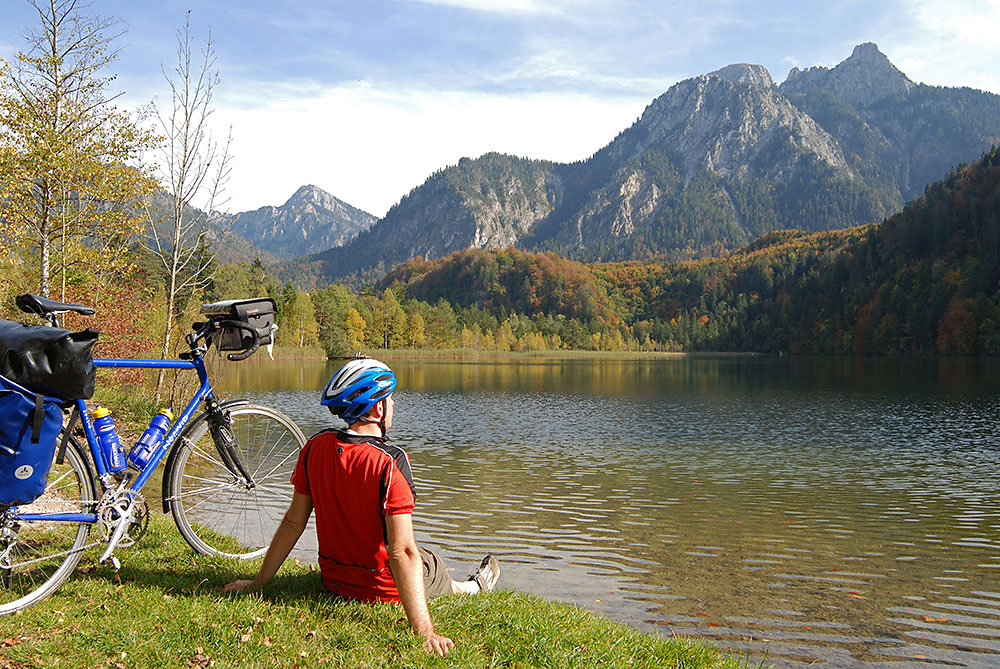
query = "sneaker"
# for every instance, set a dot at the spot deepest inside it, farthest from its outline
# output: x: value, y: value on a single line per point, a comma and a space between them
x: 487, y: 575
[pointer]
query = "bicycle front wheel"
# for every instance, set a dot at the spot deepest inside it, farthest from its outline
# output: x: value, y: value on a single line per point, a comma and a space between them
x: 38, y: 555
x: 215, y: 509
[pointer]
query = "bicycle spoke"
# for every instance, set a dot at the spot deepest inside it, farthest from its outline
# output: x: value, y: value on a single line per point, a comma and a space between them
x: 267, y: 446
x: 203, y: 501
x: 276, y: 491
x: 283, y: 462
x: 192, y: 477
x: 204, y: 453
x: 197, y: 492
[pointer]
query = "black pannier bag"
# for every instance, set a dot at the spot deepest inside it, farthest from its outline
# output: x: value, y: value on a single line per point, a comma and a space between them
x: 257, y: 313
x: 50, y: 361
x: 29, y: 427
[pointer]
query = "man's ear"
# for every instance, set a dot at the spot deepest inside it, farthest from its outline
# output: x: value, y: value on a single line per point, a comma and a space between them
x: 377, y: 411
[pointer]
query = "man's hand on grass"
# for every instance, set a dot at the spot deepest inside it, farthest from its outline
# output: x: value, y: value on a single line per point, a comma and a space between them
x: 435, y: 643
x: 238, y: 586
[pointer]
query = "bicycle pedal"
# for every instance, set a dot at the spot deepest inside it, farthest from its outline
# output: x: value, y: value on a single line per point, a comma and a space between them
x: 115, y: 562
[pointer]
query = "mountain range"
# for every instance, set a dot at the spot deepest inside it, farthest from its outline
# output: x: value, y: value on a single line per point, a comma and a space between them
x: 714, y: 163
x: 311, y: 219
x: 926, y: 281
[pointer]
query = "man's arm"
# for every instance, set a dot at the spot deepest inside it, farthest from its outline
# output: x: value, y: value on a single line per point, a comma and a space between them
x: 408, y: 572
x: 285, y: 538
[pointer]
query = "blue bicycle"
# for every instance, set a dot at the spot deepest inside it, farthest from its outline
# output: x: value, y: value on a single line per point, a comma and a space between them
x: 225, y: 481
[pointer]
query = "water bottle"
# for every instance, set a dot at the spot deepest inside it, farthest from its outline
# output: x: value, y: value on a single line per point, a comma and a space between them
x: 114, y: 452
x: 150, y: 439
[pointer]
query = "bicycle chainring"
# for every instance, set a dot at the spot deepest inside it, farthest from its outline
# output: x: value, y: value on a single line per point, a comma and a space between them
x: 113, y: 507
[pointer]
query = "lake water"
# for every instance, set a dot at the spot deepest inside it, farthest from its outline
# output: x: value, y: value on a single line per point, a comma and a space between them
x: 844, y: 512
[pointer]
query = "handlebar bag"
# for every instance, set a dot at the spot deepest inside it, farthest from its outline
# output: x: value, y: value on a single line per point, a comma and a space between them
x: 257, y: 313
x: 50, y: 361
x: 29, y: 427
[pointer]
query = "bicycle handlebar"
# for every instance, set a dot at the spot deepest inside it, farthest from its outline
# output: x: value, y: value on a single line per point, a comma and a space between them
x: 207, y: 330
x: 254, y: 345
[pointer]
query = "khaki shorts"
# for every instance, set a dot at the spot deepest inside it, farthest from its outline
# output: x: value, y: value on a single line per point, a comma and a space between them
x: 437, y: 582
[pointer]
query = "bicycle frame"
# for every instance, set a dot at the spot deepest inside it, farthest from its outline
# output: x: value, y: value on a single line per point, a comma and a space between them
x: 220, y: 499
x: 97, y: 454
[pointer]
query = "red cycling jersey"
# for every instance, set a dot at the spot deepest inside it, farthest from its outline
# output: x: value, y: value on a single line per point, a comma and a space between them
x: 354, y: 481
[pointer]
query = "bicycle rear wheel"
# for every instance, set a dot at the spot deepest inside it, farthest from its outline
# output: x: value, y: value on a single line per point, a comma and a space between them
x: 37, y: 557
x: 215, y: 510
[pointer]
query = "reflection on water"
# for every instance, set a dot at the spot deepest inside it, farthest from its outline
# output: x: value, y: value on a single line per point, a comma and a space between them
x: 845, y: 511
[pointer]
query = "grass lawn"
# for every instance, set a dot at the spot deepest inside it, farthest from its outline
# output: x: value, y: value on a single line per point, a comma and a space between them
x: 163, y: 609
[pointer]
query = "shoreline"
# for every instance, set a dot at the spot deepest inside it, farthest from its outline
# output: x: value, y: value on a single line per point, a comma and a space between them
x: 171, y: 598
x: 475, y: 355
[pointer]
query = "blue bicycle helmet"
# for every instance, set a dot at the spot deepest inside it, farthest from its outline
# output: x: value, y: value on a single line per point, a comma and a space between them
x: 357, y: 387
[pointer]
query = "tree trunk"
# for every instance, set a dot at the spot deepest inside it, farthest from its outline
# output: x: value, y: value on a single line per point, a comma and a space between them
x: 44, y: 249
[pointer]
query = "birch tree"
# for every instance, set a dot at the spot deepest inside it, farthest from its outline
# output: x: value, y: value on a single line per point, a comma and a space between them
x: 299, y: 320
x: 194, y: 170
x: 71, y: 184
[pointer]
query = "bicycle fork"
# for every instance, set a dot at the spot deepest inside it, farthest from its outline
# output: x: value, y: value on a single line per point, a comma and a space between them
x: 226, y: 443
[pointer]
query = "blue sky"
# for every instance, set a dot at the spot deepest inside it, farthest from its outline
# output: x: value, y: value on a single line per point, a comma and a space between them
x: 365, y: 99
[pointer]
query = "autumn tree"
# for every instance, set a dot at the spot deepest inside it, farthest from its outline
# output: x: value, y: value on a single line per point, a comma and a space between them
x: 355, y: 329
x: 466, y: 338
x: 332, y: 304
x: 957, y: 330
x: 298, y: 320
x: 415, y: 330
x: 70, y: 178
x: 389, y: 323
x: 232, y: 280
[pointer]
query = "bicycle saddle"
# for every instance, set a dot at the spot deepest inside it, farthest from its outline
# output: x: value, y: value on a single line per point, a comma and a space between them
x: 43, y: 306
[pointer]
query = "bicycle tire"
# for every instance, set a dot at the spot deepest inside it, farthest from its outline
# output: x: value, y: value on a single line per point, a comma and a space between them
x: 216, y: 513
x: 41, y: 555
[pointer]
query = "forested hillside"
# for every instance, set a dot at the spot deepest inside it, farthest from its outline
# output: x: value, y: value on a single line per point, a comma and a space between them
x: 923, y: 282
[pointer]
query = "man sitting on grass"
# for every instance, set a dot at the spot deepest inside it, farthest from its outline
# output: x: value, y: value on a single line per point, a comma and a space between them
x: 362, y: 490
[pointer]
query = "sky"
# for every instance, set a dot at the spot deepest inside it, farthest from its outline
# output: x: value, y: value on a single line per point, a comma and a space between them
x: 366, y: 99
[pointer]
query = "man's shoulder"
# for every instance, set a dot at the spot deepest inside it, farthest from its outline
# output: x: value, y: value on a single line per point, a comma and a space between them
x: 328, y: 434
x: 392, y: 450
x: 344, y: 437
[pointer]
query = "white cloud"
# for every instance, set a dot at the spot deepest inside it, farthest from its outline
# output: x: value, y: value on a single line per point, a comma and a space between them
x: 951, y: 43
x: 369, y: 146
x: 972, y: 22
x: 551, y: 62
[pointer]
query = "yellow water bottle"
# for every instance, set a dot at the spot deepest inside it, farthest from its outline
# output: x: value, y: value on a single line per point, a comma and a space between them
x: 114, y: 452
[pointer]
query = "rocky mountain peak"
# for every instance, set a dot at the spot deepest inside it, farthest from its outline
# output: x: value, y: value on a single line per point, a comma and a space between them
x: 311, y: 195
x: 310, y: 218
x: 728, y: 121
x: 712, y: 163
x: 869, y: 52
x: 745, y: 73
x: 865, y: 77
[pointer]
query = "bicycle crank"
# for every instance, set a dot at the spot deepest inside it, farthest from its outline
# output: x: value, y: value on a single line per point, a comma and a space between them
x: 123, y: 517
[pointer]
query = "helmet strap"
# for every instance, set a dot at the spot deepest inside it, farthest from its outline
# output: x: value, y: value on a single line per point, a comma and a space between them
x: 380, y: 421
